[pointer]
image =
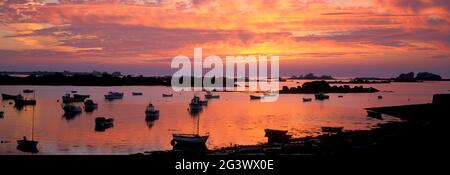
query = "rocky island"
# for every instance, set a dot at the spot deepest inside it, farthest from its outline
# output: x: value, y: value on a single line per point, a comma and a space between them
x: 323, y: 86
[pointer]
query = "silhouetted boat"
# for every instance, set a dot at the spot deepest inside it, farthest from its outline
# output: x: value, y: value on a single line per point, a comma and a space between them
x: 209, y: 95
x: 89, y: 105
x: 75, y: 98
x: 9, y: 97
x: 195, y: 105
x: 332, y: 129
x: 2, y: 114
x: 26, y: 145
x: 79, y: 96
x: 22, y: 101
x: 307, y: 99
x: 73, y: 92
x: 374, y: 114
x: 104, y: 122
x: 137, y: 93
x: 321, y: 96
x: 255, y: 97
x: 28, y: 91
x: 190, y: 138
x: 167, y: 95
x: 114, y: 95
x: 380, y: 97
x: 151, y: 112
x: 340, y: 96
x: 70, y: 109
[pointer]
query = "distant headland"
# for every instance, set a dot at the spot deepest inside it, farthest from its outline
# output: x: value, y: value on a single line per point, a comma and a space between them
x: 97, y: 78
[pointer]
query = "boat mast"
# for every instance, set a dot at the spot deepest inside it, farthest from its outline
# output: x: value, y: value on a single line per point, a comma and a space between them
x: 198, y: 125
x: 32, y: 127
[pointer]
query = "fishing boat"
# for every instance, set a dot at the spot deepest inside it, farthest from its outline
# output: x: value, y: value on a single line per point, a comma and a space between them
x: 374, y: 114
x: 26, y: 145
x: 151, y: 112
x: 114, y: 95
x: 70, y: 109
x: 137, y: 93
x: 332, y: 129
x: 380, y: 97
x: 167, y: 95
x: 102, y: 122
x: 22, y: 101
x: 28, y: 91
x: 9, y: 97
x: 209, y: 95
x: 90, y: 106
x: 195, y: 105
x: 340, y: 96
x: 307, y: 99
x: 321, y: 96
x: 2, y: 114
x: 73, y: 92
x: 256, y: 97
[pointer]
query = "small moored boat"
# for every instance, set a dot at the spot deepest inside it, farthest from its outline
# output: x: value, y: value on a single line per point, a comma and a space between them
x: 90, y: 106
x: 114, y: 95
x: 380, y: 97
x: 9, y: 97
x: 307, y: 99
x: 137, y: 93
x: 71, y: 109
x: 195, y: 105
x: 28, y: 91
x: 209, y: 95
x: 102, y: 122
x: 256, y: 97
x: 189, y: 138
x: 75, y: 98
x: 2, y: 114
x: 321, y: 96
x: 167, y: 95
x: 151, y: 112
x: 27, y: 145
x: 22, y: 101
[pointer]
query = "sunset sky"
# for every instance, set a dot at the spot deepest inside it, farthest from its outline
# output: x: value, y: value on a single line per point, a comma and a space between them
x: 337, y: 37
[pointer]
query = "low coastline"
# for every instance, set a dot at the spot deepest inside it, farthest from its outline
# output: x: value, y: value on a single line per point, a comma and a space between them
x: 420, y: 132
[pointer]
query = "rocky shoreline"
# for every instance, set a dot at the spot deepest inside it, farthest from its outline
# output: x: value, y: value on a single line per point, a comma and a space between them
x: 420, y: 132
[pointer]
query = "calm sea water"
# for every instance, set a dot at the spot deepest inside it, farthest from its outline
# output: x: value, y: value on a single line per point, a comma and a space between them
x: 232, y: 119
